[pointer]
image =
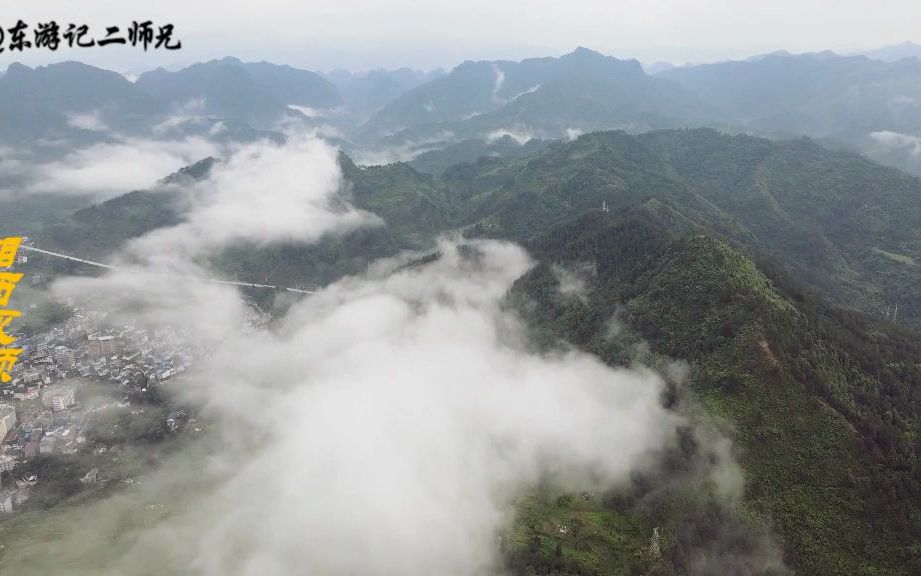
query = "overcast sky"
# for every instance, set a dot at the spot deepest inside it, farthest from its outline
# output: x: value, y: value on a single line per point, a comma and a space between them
x: 363, y: 34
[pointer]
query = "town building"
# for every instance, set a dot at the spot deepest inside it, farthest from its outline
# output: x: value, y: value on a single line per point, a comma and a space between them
x: 64, y: 357
x: 7, y: 419
x: 102, y: 346
x: 59, y: 397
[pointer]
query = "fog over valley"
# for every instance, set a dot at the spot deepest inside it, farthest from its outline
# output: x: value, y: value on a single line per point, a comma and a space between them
x: 520, y: 290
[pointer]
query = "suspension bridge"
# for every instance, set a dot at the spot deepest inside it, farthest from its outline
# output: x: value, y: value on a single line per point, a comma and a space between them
x: 179, y: 277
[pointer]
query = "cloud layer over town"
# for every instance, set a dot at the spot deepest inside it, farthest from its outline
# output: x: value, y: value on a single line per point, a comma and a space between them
x: 382, y: 425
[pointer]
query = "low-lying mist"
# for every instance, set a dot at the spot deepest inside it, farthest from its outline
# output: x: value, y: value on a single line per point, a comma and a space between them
x: 381, y: 426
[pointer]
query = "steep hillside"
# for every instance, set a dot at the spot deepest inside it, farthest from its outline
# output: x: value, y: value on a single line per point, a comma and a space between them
x: 843, y: 225
x: 580, y: 91
x: 257, y: 94
x: 365, y: 94
x: 435, y: 162
x: 69, y: 100
x: 810, y: 94
x: 855, y: 102
x: 293, y: 85
x: 852, y: 102
x: 749, y: 260
x: 824, y: 407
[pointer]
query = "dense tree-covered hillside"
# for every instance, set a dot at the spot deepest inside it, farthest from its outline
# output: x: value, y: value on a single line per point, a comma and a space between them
x: 824, y: 405
x: 767, y: 266
x: 834, y: 221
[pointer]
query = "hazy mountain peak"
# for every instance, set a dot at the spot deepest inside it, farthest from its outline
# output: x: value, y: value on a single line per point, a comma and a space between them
x: 583, y: 52
x: 895, y: 52
x: 586, y: 60
x: 256, y: 93
x: 192, y: 173
x: 17, y: 68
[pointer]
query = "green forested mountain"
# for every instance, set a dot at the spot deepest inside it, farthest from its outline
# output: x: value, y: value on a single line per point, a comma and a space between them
x: 583, y: 90
x: 895, y: 52
x: 839, y: 224
x: 850, y: 102
x: 255, y: 93
x: 809, y: 94
x: 823, y: 403
x: 772, y: 268
x: 70, y: 104
x: 367, y: 93
x: 854, y: 102
x: 44, y: 102
x: 865, y: 104
x: 593, y: 92
x: 466, y: 151
x: 293, y: 85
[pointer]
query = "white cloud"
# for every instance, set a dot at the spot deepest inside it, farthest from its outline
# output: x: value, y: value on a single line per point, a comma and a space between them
x: 11, y: 164
x: 897, y: 141
x: 520, y: 134
x: 382, y: 426
x: 108, y: 169
x: 404, y: 152
x: 308, y: 111
x: 263, y: 192
x: 189, y: 111
x: 498, y: 82
x: 530, y: 90
x: 573, y: 133
x: 386, y: 425
x: 87, y: 121
x: 573, y: 280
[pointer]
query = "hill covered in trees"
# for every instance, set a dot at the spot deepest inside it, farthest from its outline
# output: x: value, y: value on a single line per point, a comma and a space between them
x: 771, y: 268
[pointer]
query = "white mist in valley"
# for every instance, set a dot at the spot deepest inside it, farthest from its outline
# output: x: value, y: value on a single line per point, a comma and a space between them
x: 384, y: 425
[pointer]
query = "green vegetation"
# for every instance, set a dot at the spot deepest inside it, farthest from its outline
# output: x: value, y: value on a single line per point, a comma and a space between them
x: 435, y: 162
x: 582, y: 90
x: 577, y: 534
x: 757, y: 262
x: 39, y: 310
x: 820, y: 215
x: 58, y: 535
x: 823, y: 404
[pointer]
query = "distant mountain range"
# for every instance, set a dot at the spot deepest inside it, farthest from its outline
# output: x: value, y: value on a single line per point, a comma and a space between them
x: 895, y: 52
x: 820, y: 95
x: 543, y: 97
x: 853, y: 102
x: 69, y: 100
x: 258, y: 94
x: 76, y: 104
x: 861, y: 103
x: 737, y: 220
x: 367, y: 93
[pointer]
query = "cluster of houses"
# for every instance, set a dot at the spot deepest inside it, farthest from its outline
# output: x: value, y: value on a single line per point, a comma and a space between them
x: 40, y: 408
